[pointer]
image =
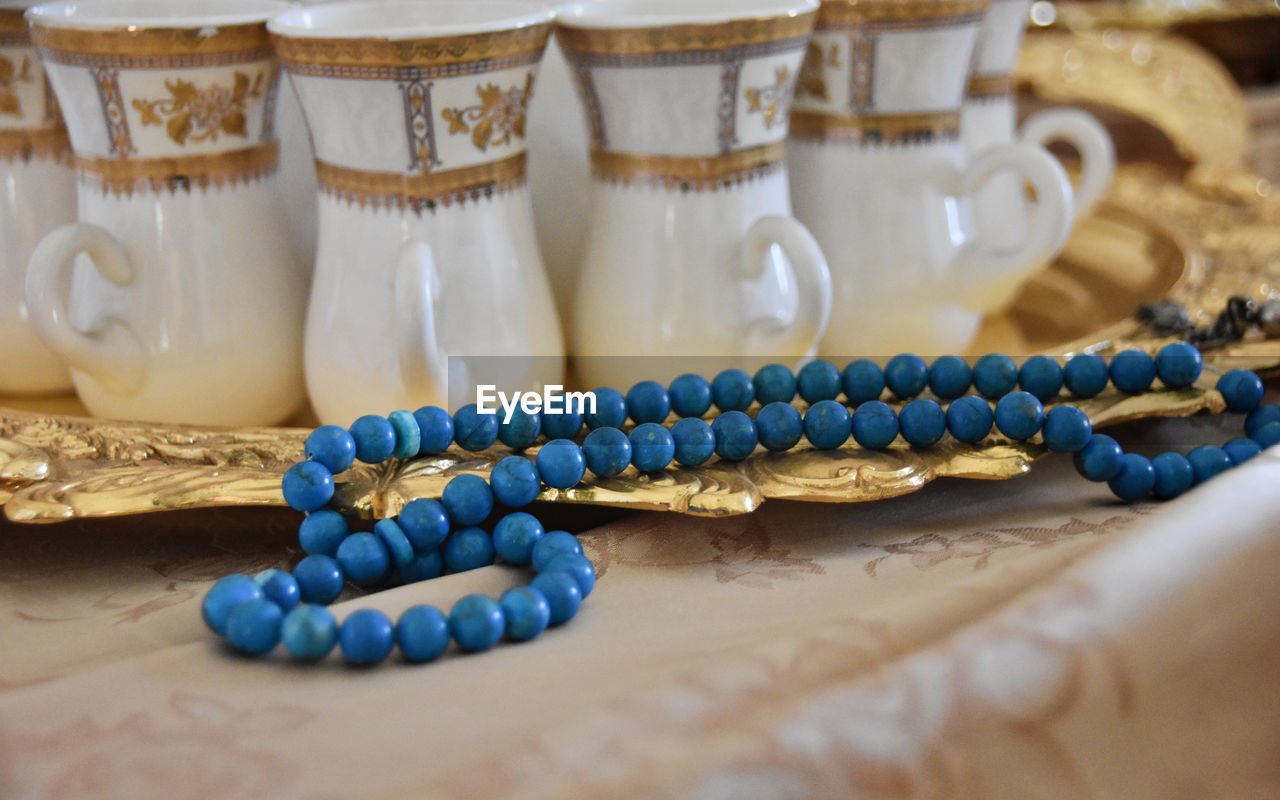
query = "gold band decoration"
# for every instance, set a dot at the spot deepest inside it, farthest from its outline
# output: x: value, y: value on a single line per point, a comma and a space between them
x: 152, y: 48
x: 875, y: 128
x: 355, y: 57
x: 43, y: 144
x: 989, y: 86
x: 843, y: 13
x: 13, y: 28
x: 126, y: 176
x: 710, y: 36
x: 688, y: 173
x: 419, y: 192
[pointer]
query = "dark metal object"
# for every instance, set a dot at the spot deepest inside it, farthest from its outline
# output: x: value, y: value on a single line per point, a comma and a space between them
x: 1168, y: 318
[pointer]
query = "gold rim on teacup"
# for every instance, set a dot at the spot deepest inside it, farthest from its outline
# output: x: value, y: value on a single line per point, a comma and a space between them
x: 843, y: 13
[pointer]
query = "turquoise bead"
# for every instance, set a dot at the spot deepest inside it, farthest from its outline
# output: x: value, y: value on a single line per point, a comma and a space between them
x: 254, y: 627
x: 862, y: 380
x: 1208, y: 461
x: 1178, y: 365
x: 1041, y: 376
x: 279, y: 587
x: 576, y: 566
x: 950, y: 377
x: 1260, y: 416
x: 374, y: 437
x: 607, y: 451
x: 562, y: 593
x: 732, y: 390
x: 229, y: 592
x: 322, y: 531
x: 435, y: 430
x: 1067, y: 429
x: 648, y: 401
x: 514, y: 537
x: 408, y: 435
x: 515, y: 482
x: 1019, y: 415
x: 922, y: 422
x: 563, y: 424
x: 779, y: 426
x: 818, y: 380
x: 425, y: 522
x: 652, y: 447
x: 690, y: 396
x: 875, y: 425
x: 525, y: 612
x: 476, y: 623
x: 694, y: 441
x: 422, y: 633
x: 1132, y: 371
x: 1173, y: 475
x: 561, y: 464
x: 1241, y: 389
x: 1241, y: 450
x: 467, y: 499
x: 827, y: 424
x: 425, y: 566
x: 1100, y: 459
x: 1135, y: 480
x: 552, y: 544
x: 474, y: 431
x: 468, y: 549
x: 906, y: 375
x: 969, y: 419
x: 1085, y: 375
x: 775, y: 383
x: 364, y: 558
x: 307, y: 486
x: 367, y: 636
x: 332, y: 446
x: 995, y: 375
x: 319, y: 579
x: 395, y: 540
x: 309, y: 632
x: 521, y: 431
x: 735, y: 435
x: 611, y: 410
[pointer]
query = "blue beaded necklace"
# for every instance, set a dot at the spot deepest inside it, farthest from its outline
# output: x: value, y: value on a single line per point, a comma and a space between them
x: 255, y: 614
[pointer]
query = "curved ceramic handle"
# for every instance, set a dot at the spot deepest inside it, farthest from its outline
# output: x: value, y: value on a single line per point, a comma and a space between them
x: 985, y: 277
x: 111, y: 353
x: 807, y: 270
x: 423, y: 366
x: 1083, y: 132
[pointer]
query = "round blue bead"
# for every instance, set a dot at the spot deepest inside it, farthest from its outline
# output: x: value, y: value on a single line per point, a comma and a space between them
x: 408, y: 435
x: 476, y: 623
x: 1208, y: 461
x: 577, y: 566
x: 778, y: 425
x: 1066, y: 429
x: 309, y: 632
x: 1135, y: 480
x: 1173, y: 475
x: 367, y: 636
x: 1178, y: 364
x: 425, y: 522
x: 875, y: 425
x: 307, y: 486
x: 1100, y: 459
x: 563, y: 424
x: 475, y: 431
x: 1085, y: 375
x: 374, y: 437
x: 995, y: 375
x: 1019, y: 415
x: 397, y: 543
x: 827, y: 424
x: 970, y: 418
x: 774, y: 384
x: 1241, y: 450
x: 229, y: 592
x: 319, y: 579
x: 652, y: 447
x: 424, y: 567
x: 514, y: 537
x: 1241, y: 389
x: 694, y: 441
x: 521, y: 430
x: 279, y: 587
x: 561, y: 463
x: 552, y: 544
x: 922, y: 422
x: 525, y: 611
x: 607, y: 451
x: 1132, y: 371
x: 364, y: 558
x: 732, y: 390
x: 435, y: 430
x: 322, y: 531
x: 610, y: 411
x: 332, y: 446
x: 468, y: 549
x: 950, y: 377
x: 690, y: 396
x: 648, y: 401
x: 735, y: 435
x: 254, y: 626
x: 515, y: 482
x: 467, y: 499
x: 1041, y: 376
x: 906, y: 375
x: 1267, y: 435
x: 862, y: 380
x: 1260, y: 416
x: 422, y: 633
x: 564, y: 598
x: 818, y: 380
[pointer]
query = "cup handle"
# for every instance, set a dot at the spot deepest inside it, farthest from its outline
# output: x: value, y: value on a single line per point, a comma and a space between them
x: 985, y: 277
x: 807, y: 269
x: 1083, y: 132
x: 111, y: 353
x: 423, y: 366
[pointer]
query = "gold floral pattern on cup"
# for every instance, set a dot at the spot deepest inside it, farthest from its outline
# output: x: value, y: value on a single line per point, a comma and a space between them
x: 498, y: 116
x: 198, y: 114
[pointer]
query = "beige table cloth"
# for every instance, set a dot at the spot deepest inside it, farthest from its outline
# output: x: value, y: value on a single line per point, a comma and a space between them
x: 1030, y: 638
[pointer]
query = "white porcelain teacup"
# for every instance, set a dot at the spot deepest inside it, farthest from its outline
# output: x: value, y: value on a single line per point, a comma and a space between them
x: 190, y: 305
x: 427, y: 266
x: 691, y: 248
x: 880, y: 177
x: 37, y: 194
